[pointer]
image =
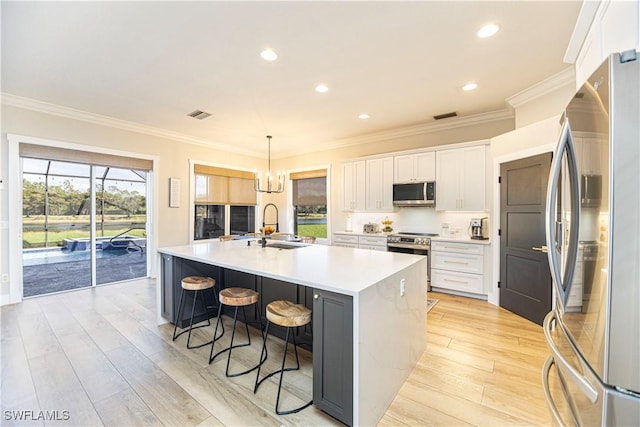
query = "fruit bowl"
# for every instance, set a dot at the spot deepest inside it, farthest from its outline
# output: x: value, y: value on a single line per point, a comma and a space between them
x: 268, y: 230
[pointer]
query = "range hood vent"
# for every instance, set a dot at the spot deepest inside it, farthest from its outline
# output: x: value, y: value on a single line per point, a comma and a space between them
x: 446, y: 115
x: 200, y: 115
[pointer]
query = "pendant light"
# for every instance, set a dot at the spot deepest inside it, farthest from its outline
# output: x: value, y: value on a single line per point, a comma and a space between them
x: 270, y: 186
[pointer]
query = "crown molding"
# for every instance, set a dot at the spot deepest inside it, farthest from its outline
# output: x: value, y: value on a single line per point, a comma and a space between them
x: 71, y: 113
x: 407, y: 131
x: 555, y: 82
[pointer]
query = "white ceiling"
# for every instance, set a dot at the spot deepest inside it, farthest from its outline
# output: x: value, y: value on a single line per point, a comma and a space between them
x: 152, y: 63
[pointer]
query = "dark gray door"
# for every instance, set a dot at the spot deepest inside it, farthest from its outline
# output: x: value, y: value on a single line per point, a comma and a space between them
x: 525, y: 278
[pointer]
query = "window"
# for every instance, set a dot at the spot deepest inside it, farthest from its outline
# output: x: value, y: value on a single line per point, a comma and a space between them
x: 224, y: 202
x: 310, y: 203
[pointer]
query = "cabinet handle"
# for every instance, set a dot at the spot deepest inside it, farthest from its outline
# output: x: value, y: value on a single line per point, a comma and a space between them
x: 542, y: 249
x: 455, y: 281
x: 316, y: 296
x: 455, y: 262
x: 456, y: 248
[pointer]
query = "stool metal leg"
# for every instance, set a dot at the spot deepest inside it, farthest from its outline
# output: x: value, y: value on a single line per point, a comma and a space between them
x: 191, y: 327
x: 232, y: 346
x: 281, y: 371
x: 175, y: 326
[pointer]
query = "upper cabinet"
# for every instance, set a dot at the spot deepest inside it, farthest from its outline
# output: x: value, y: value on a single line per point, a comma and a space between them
x: 379, y: 184
x: 415, y: 167
x: 602, y: 28
x: 353, y: 184
x: 461, y: 179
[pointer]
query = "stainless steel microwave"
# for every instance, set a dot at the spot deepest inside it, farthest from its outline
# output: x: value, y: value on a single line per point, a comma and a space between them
x: 415, y: 194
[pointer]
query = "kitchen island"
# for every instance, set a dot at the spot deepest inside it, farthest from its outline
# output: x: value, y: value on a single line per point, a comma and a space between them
x: 369, y: 311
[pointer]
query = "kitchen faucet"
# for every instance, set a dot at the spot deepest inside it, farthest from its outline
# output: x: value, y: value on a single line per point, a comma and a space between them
x: 264, y: 212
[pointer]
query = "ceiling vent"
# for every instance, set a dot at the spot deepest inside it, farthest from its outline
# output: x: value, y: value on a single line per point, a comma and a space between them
x: 200, y: 115
x: 579, y: 95
x: 446, y: 115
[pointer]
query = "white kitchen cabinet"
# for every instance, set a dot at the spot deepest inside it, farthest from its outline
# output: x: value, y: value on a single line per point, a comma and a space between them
x: 614, y: 28
x: 350, y: 240
x: 379, y: 184
x: 414, y: 167
x: 376, y: 243
x: 345, y: 240
x: 461, y: 179
x: 354, y: 184
x: 458, y: 266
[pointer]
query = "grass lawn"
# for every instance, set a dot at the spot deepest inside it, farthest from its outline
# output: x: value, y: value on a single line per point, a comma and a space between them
x: 62, y: 227
x: 315, y: 230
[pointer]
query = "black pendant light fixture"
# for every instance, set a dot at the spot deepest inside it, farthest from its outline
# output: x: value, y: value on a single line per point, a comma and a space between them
x: 272, y: 185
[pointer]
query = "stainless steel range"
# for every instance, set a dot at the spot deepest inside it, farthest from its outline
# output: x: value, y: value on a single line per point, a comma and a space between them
x: 412, y: 243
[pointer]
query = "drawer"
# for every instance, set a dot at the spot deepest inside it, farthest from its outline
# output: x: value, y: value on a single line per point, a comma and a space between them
x: 373, y: 247
x: 373, y: 240
x: 345, y: 238
x: 462, y: 248
x: 464, y: 282
x: 345, y: 245
x: 457, y: 262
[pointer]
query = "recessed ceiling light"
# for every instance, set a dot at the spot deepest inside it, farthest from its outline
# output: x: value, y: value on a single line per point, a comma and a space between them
x: 363, y: 116
x: 488, y: 30
x: 470, y: 86
x: 268, y: 55
x: 322, y: 88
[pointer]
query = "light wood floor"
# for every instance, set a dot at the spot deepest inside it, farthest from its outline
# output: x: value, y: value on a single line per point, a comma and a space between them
x: 99, y: 355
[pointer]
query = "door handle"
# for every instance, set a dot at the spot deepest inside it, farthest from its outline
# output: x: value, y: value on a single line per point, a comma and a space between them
x: 542, y: 249
x: 562, y: 363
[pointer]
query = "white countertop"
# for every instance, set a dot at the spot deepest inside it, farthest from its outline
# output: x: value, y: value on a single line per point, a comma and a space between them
x: 461, y: 240
x: 342, y: 270
x: 360, y: 233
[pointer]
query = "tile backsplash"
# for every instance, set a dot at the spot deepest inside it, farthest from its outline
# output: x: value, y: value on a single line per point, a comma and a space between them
x: 418, y: 220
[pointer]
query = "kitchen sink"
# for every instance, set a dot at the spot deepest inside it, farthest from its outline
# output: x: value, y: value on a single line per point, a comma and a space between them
x: 284, y: 246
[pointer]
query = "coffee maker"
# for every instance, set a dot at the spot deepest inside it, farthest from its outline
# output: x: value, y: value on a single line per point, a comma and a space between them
x: 479, y: 228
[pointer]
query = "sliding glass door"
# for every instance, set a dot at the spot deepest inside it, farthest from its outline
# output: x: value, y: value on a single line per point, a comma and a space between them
x: 56, y: 226
x: 120, y: 226
x: 83, y: 225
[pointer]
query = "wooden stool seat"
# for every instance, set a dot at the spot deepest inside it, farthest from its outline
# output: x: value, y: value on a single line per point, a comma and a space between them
x: 238, y: 297
x: 288, y: 314
x: 197, y: 283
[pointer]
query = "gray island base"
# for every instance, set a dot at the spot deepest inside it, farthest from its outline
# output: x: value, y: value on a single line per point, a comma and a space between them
x: 369, y: 311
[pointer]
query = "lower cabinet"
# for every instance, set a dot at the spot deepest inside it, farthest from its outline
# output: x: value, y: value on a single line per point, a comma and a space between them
x: 345, y: 240
x: 329, y: 335
x: 333, y: 354
x: 457, y: 266
x: 372, y: 242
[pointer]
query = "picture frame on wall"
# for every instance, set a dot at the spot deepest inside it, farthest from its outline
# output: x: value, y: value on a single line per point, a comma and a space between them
x: 174, y: 192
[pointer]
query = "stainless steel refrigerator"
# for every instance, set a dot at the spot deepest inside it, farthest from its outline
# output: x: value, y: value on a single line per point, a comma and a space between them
x: 592, y: 375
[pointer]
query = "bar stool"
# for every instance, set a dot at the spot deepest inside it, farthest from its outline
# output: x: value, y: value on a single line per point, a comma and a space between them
x: 195, y: 284
x: 238, y: 298
x: 290, y: 315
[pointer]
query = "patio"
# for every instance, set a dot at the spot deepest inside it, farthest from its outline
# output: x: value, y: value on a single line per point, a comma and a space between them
x: 39, y: 279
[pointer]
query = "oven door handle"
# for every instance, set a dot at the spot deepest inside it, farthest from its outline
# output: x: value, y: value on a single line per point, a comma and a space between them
x: 407, y: 246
